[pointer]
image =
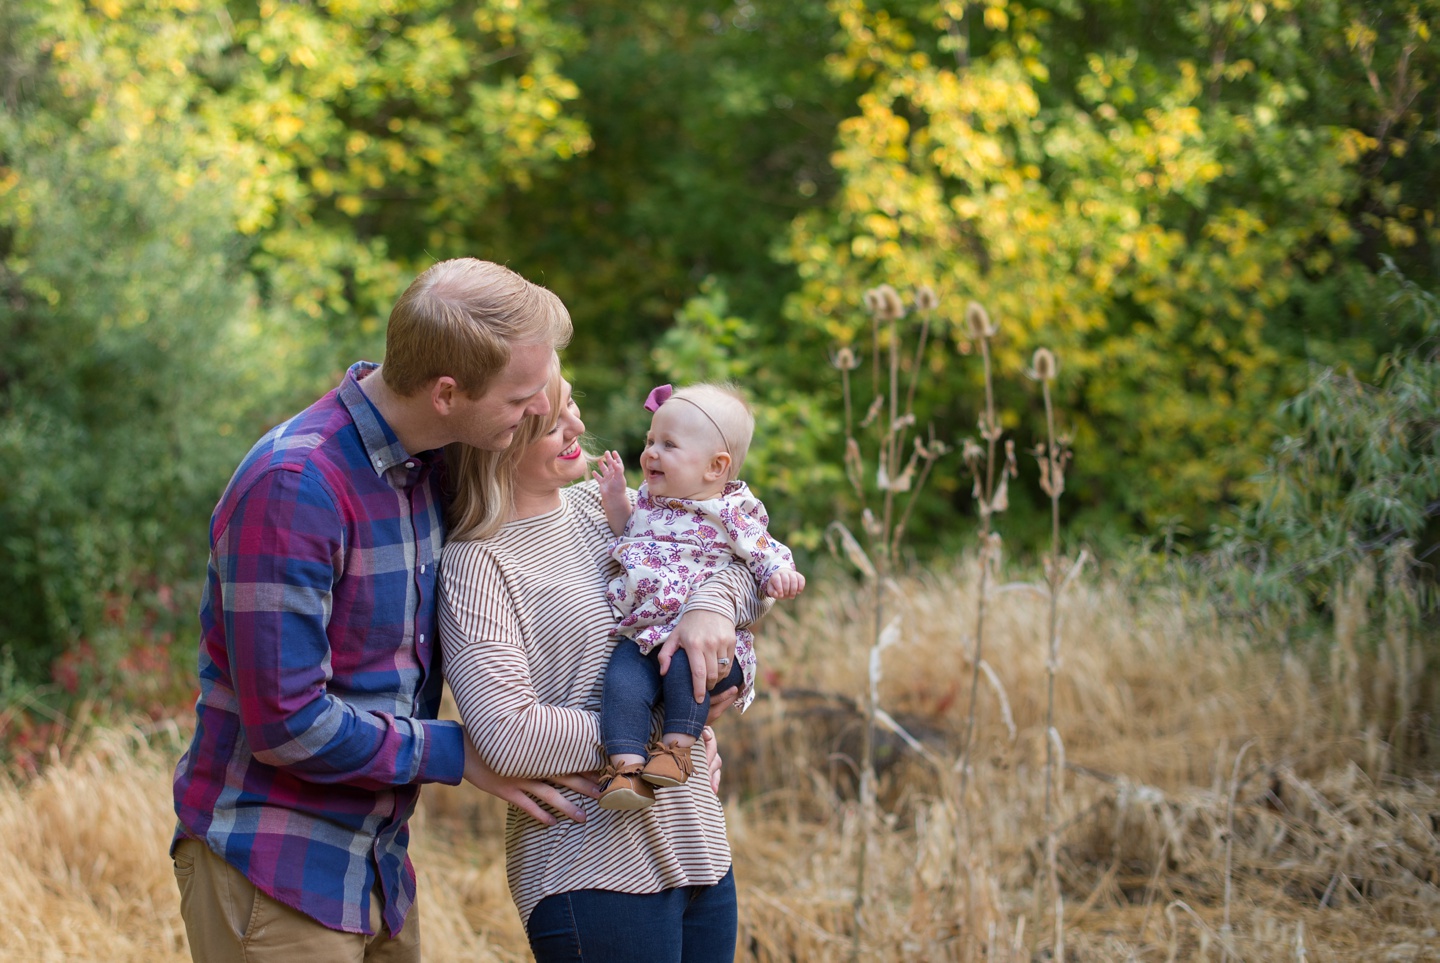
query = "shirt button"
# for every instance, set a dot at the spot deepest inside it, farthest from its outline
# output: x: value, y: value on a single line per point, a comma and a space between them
x: 422, y: 570
x: 409, y: 464
x: 422, y: 638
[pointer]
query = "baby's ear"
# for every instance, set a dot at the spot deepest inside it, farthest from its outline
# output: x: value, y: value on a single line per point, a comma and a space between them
x: 719, y: 467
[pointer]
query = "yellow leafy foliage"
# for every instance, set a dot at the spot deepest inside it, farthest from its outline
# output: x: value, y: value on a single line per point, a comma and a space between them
x: 1056, y: 222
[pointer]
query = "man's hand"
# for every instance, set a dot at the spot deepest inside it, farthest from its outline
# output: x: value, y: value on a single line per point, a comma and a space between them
x: 785, y: 584
x: 712, y: 756
x: 528, y: 794
x: 706, y: 637
x: 719, y: 702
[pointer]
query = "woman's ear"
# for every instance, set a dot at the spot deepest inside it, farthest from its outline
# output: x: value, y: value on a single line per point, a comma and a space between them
x: 719, y: 467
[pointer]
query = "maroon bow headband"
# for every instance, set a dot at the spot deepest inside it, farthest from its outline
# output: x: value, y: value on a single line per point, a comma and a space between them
x: 661, y: 394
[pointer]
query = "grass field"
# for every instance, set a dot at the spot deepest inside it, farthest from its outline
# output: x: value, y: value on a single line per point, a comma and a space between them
x: 1211, y: 807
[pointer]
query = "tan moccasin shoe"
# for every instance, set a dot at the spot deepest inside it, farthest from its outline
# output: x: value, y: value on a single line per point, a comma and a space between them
x: 624, y: 789
x: 668, y: 766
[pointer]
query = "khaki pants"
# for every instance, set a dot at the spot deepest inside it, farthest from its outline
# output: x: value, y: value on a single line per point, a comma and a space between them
x: 228, y: 920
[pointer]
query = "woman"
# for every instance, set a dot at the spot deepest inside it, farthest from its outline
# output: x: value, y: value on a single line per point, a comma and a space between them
x: 526, y: 633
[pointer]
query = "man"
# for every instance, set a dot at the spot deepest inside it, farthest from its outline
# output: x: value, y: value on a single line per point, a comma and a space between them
x: 319, y: 673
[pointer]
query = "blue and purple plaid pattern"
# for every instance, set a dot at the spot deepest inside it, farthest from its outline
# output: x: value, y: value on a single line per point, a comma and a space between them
x: 319, y: 665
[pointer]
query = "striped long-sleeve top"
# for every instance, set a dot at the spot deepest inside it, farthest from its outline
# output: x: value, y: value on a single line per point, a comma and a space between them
x: 525, y: 631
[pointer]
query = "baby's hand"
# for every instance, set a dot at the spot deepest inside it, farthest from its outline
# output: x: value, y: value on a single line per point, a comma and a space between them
x: 610, y: 474
x: 785, y: 584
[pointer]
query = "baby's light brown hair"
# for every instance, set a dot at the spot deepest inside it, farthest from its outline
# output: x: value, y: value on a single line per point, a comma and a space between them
x: 730, y: 412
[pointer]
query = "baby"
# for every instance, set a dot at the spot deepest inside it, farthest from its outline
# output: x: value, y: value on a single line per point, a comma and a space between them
x: 691, y: 518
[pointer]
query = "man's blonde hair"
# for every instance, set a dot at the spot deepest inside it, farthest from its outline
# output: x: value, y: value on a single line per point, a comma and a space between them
x: 729, y: 411
x: 481, y: 483
x: 461, y: 318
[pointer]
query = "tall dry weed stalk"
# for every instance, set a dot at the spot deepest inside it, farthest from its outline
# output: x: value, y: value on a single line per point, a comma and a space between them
x: 1053, y: 456
x: 990, y: 487
x: 902, y: 463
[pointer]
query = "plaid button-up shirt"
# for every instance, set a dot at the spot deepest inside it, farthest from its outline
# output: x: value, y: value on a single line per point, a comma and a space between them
x: 319, y: 665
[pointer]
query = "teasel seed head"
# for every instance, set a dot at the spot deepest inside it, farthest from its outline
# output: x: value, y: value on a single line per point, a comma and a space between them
x: 894, y: 306
x: 884, y: 303
x: 844, y: 360
x: 978, y: 320
x: 1043, y: 365
x: 872, y: 300
x: 926, y: 299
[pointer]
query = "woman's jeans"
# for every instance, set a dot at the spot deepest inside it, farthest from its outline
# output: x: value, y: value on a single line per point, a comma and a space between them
x: 689, y: 924
x: 633, y: 685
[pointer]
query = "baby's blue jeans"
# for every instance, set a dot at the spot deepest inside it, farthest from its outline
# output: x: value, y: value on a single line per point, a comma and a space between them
x: 633, y: 686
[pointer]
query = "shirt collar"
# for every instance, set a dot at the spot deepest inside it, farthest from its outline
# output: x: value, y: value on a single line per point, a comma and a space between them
x: 382, y: 448
x: 732, y: 490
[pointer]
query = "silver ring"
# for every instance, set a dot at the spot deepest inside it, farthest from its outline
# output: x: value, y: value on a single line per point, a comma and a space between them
x: 722, y: 661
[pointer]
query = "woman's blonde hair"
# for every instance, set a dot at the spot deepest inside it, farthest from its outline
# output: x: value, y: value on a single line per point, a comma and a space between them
x: 481, y: 484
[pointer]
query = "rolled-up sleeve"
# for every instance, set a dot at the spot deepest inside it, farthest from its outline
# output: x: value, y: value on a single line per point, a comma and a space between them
x: 278, y: 558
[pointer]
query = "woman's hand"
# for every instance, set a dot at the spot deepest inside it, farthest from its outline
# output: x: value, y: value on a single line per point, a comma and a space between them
x: 529, y: 794
x: 707, y: 637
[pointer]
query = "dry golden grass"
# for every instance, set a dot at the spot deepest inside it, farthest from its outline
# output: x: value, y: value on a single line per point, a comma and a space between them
x: 1203, y: 778
x: 1176, y: 745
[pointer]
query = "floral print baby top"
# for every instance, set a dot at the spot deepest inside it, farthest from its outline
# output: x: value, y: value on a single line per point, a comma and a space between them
x: 671, y: 545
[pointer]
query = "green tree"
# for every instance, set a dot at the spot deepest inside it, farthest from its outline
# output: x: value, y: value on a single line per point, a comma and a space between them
x: 131, y: 361
x: 376, y: 135
x: 712, y: 125
x: 1153, y: 196
x: 206, y: 210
